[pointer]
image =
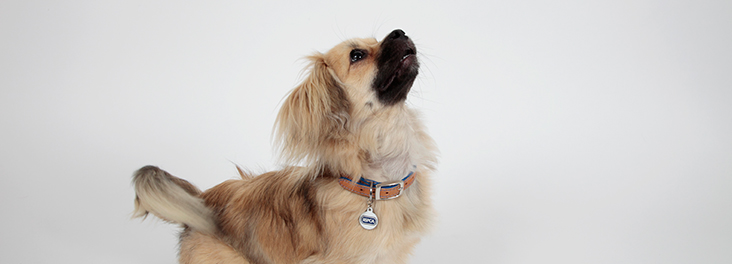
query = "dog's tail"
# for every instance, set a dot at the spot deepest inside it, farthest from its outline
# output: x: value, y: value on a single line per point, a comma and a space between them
x: 170, y: 198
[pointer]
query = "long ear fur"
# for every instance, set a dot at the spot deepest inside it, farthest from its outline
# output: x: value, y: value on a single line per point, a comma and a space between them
x: 313, y: 119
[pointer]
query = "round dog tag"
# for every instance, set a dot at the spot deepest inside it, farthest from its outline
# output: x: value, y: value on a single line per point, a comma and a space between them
x: 368, y: 219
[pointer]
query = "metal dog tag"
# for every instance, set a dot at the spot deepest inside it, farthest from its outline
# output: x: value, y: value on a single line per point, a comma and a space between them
x: 368, y: 219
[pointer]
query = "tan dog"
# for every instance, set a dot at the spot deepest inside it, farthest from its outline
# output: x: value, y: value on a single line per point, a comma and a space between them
x: 362, y: 194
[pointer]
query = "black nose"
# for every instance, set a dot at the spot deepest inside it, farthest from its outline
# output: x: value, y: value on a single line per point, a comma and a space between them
x: 397, y: 33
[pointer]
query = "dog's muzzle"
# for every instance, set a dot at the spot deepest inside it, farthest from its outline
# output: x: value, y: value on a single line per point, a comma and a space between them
x: 397, y: 66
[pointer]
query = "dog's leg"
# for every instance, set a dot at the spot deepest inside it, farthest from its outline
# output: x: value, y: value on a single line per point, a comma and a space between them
x: 200, y: 248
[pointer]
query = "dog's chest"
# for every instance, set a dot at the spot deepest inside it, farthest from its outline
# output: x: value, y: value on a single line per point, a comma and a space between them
x: 390, y: 241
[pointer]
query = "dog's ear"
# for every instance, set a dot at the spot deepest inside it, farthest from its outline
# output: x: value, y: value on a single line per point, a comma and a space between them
x: 313, y: 119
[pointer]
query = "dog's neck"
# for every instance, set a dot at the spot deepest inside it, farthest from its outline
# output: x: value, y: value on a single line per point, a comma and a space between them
x: 389, y: 169
x: 399, y: 145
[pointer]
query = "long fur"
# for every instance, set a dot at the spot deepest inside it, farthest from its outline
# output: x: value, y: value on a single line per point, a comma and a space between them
x: 171, y: 199
x: 315, y: 114
x: 334, y: 124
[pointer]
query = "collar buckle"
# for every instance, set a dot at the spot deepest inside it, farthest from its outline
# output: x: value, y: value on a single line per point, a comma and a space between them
x: 388, y: 185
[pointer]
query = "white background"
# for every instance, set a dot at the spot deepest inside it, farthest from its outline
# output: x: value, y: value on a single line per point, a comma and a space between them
x: 570, y: 132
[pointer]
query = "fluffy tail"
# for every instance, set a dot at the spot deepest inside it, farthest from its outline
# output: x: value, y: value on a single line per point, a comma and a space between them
x: 170, y: 198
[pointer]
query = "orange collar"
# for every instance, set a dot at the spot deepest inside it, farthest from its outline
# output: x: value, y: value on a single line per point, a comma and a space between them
x: 377, y: 190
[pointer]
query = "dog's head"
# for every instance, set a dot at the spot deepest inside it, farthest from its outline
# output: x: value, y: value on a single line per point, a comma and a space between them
x: 354, y: 81
x: 384, y: 70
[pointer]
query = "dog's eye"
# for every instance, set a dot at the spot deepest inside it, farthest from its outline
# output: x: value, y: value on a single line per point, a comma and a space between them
x: 357, y: 55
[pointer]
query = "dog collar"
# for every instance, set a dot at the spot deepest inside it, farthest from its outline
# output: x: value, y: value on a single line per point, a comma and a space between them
x: 377, y: 190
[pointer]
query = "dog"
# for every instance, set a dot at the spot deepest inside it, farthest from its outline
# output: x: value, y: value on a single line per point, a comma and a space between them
x: 360, y: 192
